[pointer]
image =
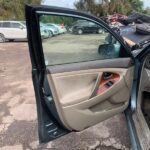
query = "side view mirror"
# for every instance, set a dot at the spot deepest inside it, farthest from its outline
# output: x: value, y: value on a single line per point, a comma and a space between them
x: 21, y: 27
x: 109, y: 50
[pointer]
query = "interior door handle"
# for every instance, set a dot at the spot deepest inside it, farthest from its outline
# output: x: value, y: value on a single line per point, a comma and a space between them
x: 94, y: 92
x: 107, y: 75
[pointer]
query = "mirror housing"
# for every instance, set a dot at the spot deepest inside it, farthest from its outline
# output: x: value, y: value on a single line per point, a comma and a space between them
x: 21, y: 27
x: 109, y: 50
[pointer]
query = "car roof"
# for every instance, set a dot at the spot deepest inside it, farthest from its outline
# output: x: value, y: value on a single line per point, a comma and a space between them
x: 52, y: 24
x: 12, y: 21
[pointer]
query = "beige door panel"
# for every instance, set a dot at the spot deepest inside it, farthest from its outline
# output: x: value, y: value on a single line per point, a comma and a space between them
x: 145, y: 84
x: 72, y: 93
x: 79, y: 119
x: 73, y: 89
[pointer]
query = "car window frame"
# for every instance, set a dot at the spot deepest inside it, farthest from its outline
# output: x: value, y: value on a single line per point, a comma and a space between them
x: 37, y: 58
x: 87, y: 23
x: 82, y: 26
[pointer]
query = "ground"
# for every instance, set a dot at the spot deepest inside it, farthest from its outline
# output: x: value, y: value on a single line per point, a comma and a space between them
x: 18, y: 118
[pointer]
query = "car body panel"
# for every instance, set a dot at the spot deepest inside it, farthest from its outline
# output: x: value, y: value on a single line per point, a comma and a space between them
x: 14, y: 32
x: 86, y: 27
x: 44, y: 32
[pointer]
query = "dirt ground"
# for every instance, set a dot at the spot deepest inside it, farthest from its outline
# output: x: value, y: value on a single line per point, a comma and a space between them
x: 18, y: 118
x: 67, y: 48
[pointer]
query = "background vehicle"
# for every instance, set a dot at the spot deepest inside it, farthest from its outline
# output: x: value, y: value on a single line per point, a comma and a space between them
x: 81, y: 27
x: 12, y: 30
x: 55, y: 30
x: 44, y: 32
x: 61, y: 28
x: 52, y: 31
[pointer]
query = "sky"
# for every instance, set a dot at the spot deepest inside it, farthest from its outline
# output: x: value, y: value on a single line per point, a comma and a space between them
x: 69, y: 3
x: 61, y: 3
x: 146, y: 3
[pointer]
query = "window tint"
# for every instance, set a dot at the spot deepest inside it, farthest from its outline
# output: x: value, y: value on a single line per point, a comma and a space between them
x: 91, y: 24
x: 1, y: 24
x: 84, y: 23
x: 6, y: 24
x: 15, y: 25
x: 76, y: 43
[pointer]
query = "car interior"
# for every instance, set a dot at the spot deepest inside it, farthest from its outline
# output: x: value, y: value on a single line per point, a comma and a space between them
x: 89, y: 92
x: 142, y: 116
x: 145, y: 90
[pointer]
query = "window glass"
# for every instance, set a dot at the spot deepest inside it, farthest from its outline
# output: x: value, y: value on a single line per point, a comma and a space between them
x: 74, y: 42
x: 1, y: 24
x: 15, y: 25
x: 92, y: 24
x: 23, y: 22
x: 6, y: 24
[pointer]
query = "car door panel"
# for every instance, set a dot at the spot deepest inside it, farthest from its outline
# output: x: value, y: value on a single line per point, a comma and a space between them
x: 113, y: 63
x: 73, y: 94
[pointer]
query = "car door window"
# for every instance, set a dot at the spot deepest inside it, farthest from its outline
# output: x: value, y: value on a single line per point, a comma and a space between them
x: 91, y: 24
x: 6, y: 24
x: 77, y: 44
x: 16, y: 25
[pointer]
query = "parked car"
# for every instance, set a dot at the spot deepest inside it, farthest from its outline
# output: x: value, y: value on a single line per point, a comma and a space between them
x: 55, y: 29
x: 61, y: 28
x: 81, y: 27
x: 44, y: 32
x: 52, y: 31
x: 76, y: 94
x: 12, y: 30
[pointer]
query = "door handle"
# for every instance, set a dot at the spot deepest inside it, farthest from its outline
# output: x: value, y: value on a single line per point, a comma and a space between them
x: 94, y: 92
x: 107, y: 75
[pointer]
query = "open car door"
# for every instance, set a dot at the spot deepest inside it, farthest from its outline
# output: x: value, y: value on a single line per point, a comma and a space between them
x: 80, y: 79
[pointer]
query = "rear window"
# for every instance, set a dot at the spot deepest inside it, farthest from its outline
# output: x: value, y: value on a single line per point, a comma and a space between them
x: 6, y: 24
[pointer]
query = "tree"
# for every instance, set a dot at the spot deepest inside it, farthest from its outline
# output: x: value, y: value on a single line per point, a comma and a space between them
x: 147, y: 10
x: 105, y: 7
x: 136, y: 5
x: 14, y: 9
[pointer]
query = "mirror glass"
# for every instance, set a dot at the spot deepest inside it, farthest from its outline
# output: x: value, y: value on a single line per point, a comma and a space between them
x: 71, y: 39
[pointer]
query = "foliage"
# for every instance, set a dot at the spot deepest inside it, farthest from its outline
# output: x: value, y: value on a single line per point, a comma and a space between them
x: 136, y: 5
x: 57, y: 19
x: 147, y: 10
x: 109, y: 6
x: 14, y: 9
